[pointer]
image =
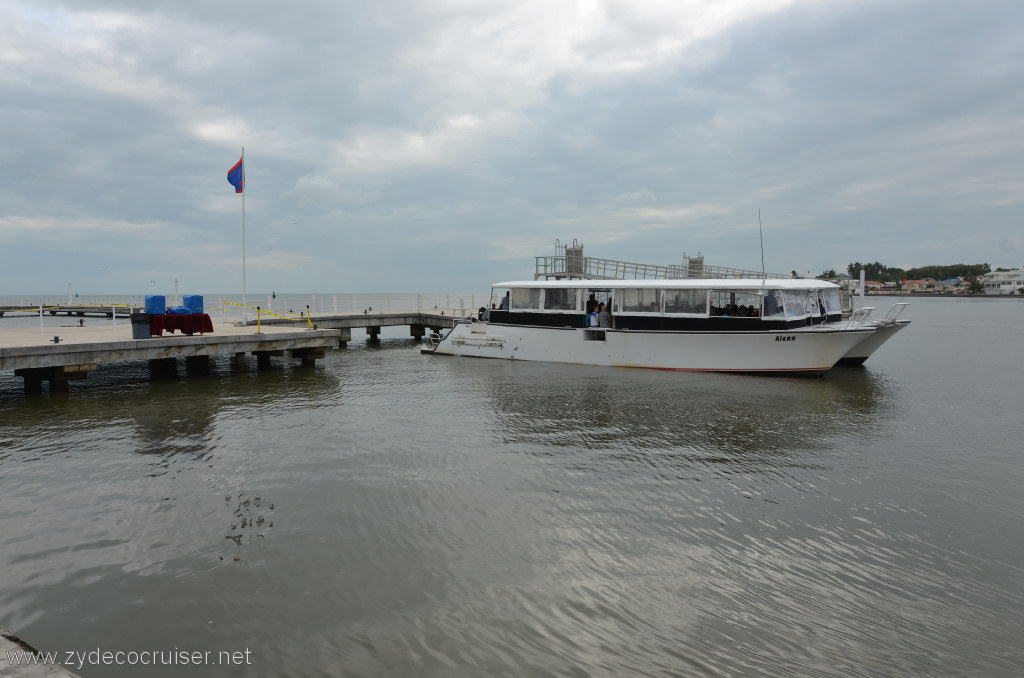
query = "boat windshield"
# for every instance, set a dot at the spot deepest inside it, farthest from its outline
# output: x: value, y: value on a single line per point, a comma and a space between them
x: 500, y: 298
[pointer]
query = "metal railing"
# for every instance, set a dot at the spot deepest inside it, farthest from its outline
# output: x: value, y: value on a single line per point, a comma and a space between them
x: 230, y: 308
x: 611, y: 269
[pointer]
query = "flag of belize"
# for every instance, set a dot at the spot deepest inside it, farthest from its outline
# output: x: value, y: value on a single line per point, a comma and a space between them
x: 236, y: 176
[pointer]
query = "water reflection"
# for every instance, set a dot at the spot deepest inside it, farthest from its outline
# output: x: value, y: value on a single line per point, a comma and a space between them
x: 252, y: 517
x: 152, y: 475
x: 737, y: 422
x: 162, y: 409
x: 395, y: 514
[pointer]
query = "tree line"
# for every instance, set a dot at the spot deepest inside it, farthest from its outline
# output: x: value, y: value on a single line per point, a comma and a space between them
x: 883, y: 273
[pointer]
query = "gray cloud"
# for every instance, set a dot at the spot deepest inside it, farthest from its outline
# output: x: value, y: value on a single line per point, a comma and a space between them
x: 436, y: 146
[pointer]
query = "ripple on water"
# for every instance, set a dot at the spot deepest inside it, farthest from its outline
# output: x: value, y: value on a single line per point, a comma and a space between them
x: 393, y: 514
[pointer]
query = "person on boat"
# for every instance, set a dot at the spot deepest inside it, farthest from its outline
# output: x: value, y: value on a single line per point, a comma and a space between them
x: 604, y: 318
x: 504, y: 302
x: 591, y: 305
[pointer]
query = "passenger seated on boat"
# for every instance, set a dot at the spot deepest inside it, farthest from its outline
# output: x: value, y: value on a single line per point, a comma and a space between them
x: 603, y: 316
x: 593, y: 320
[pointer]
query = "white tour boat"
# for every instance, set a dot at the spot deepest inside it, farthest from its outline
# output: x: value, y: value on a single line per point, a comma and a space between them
x: 778, y: 326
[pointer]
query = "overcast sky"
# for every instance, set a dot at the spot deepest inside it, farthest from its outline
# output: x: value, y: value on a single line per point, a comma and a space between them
x: 440, y: 145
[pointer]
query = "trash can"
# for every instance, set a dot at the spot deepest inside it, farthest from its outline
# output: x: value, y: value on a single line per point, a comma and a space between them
x: 140, y: 325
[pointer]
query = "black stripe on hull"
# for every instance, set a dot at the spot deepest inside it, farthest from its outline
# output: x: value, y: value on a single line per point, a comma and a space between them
x: 653, y: 323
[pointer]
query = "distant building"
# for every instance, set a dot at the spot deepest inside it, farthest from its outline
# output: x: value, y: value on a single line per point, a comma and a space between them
x: 923, y: 285
x: 1004, y: 282
x: 876, y: 287
x: 951, y: 286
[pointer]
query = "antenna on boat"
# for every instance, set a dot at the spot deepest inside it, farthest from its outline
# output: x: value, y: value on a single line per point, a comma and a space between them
x: 760, y: 230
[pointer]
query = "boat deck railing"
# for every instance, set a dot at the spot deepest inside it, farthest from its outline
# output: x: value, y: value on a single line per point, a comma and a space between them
x: 860, y: 316
x: 896, y: 310
x: 595, y: 268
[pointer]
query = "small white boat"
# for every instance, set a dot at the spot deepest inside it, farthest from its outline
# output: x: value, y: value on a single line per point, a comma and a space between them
x: 783, y: 326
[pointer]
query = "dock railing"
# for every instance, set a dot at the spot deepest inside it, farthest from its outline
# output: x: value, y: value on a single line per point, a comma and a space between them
x: 459, y: 305
x: 228, y: 308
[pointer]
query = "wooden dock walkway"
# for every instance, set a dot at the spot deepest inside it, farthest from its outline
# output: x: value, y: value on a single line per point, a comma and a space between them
x: 58, y: 355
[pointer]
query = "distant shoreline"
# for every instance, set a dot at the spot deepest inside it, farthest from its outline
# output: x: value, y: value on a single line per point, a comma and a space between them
x: 943, y: 295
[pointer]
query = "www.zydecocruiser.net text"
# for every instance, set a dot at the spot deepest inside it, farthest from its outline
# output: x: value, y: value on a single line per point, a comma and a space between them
x: 77, y: 660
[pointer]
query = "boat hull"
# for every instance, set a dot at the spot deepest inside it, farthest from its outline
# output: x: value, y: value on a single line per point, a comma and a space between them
x: 807, y: 351
x: 862, y: 351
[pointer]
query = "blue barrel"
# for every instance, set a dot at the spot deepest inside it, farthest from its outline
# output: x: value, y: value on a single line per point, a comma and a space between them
x: 156, y: 304
x: 193, y: 302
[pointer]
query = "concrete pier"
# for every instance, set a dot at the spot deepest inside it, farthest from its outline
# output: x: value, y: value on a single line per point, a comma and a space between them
x: 16, y: 657
x: 37, y: 358
x: 59, y: 355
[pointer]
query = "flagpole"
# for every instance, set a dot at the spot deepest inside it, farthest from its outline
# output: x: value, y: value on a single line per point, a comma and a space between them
x: 245, y: 309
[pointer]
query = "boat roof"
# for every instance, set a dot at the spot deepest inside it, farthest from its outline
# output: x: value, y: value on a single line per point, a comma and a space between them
x: 678, y: 283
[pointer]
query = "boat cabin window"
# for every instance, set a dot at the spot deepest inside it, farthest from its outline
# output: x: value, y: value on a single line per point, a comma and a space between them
x: 525, y: 299
x: 798, y: 303
x: 499, y: 298
x: 773, y: 306
x: 640, y: 300
x: 686, y: 302
x: 735, y: 303
x: 560, y: 299
x: 831, y: 296
x: 596, y: 296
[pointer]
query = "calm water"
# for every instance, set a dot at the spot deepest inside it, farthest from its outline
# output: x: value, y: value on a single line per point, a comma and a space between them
x: 393, y: 514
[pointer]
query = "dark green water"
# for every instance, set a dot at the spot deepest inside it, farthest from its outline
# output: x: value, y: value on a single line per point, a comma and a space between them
x: 393, y: 514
